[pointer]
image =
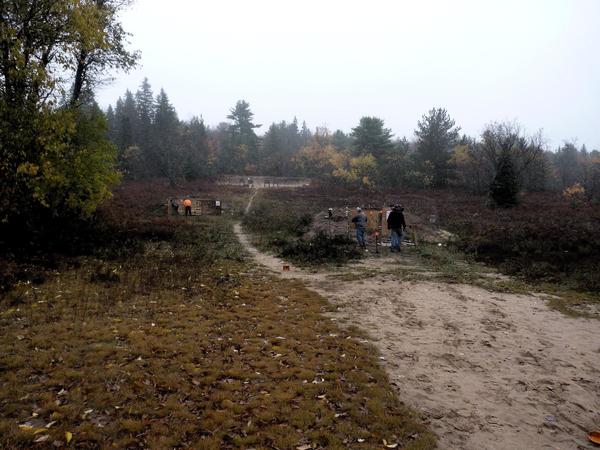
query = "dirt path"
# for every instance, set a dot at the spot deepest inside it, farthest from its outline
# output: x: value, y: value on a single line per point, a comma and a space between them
x: 249, y: 205
x: 487, y: 370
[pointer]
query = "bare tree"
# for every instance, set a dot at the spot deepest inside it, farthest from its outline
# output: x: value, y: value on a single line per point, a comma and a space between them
x: 510, y: 153
x: 500, y: 138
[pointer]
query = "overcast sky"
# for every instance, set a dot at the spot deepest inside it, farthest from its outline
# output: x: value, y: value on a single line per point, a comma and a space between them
x: 330, y: 62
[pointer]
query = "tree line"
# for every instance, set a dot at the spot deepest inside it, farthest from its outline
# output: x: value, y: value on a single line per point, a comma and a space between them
x: 502, y: 161
x: 61, y: 155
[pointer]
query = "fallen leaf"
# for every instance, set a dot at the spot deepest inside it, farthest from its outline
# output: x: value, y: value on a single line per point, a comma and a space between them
x: 304, y: 447
x: 389, y: 445
x: 43, y: 438
x: 68, y: 436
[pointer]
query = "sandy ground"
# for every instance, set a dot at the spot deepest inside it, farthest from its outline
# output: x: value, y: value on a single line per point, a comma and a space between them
x: 486, y: 370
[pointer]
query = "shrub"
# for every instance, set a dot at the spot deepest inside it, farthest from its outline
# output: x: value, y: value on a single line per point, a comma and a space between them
x: 269, y: 218
x: 319, y: 249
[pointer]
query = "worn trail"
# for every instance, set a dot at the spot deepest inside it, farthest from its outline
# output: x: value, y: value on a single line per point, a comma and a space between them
x: 486, y: 370
x: 249, y: 205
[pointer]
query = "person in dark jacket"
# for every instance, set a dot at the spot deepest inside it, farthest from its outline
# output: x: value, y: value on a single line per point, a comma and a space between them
x: 396, y: 224
x: 175, y: 206
x: 360, y: 222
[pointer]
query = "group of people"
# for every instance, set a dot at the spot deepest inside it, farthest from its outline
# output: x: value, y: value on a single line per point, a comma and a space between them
x: 395, y: 223
x: 187, y: 205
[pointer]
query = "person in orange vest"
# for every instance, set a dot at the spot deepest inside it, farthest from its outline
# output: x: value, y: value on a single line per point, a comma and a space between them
x: 187, y: 203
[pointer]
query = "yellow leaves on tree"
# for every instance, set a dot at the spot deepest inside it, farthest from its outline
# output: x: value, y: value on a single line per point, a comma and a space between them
x: 318, y: 160
x: 574, y: 193
x: 76, y: 169
x: 360, y: 171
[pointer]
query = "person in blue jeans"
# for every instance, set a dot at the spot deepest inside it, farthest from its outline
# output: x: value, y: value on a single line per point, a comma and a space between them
x: 360, y: 222
x: 396, y: 224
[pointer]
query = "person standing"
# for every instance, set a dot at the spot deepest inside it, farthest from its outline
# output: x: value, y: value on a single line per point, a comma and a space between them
x: 175, y: 206
x: 360, y: 222
x: 187, y: 203
x: 396, y: 224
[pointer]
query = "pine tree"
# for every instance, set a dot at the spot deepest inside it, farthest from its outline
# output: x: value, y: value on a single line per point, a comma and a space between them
x: 241, y: 151
x: 127, y: 121
x: 195, y: 150
x: 341, y: 140
x: 165, y: 146
x: 111, y: 123
x: 305, y: 134
x: 144, y: 99
x: 504, y: 187
x: 395, y: 164
x: 437, y: 135
x: 271, y: 152
x: 371, y: 137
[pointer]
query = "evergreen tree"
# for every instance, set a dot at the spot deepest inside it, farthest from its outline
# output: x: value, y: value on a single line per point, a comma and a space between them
x: 504, y: 187
x: 111, y: 122
x: 568, y: 165
x: 437, y: 135
x: 126, y: 122
x: 272, y: 151
x: 279, y: 145
x: 341, y: 141
x: 371, y: 137
x: 240, y: 151
x: 294, y: 137
x: 395, y: 164
x: 305, y: 135
x: 144, y: 99
x: 165, y: 146
x: 195, y: 149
